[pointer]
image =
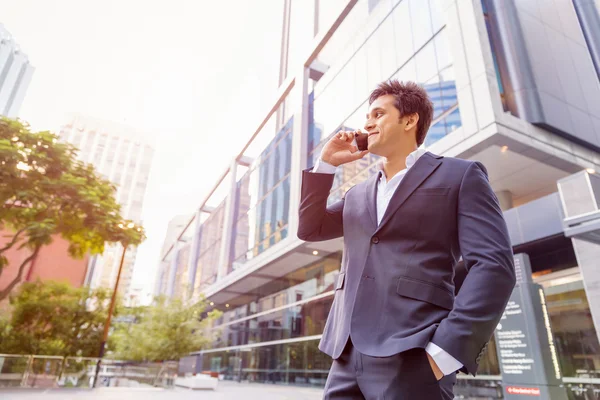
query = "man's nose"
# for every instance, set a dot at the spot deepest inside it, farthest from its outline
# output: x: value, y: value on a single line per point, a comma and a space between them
x: 368, y: 125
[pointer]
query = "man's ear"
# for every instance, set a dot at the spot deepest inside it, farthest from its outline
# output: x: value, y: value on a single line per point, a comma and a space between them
x: 410, y: 121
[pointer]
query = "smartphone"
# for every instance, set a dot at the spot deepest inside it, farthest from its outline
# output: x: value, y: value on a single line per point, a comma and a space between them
x: 362, y: 141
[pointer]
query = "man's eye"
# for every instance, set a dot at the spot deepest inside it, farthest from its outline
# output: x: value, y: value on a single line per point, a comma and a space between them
x: 378, y: 114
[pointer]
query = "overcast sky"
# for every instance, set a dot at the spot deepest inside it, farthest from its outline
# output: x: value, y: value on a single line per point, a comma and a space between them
x: 197, y: 75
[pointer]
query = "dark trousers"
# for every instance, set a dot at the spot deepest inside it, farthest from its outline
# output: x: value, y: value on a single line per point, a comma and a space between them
x: 404, y: 376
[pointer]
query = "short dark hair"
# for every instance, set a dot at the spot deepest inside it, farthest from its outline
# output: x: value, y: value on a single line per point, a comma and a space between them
x: 410, y: 99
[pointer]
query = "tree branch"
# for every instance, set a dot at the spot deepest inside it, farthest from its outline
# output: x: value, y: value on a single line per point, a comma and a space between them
x: 13, y: 241
x: 5, y: 292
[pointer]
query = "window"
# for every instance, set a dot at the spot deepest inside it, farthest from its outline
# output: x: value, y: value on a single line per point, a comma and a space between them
x: 420, y: 14
x: 263, y: 200
x: 573, y: 329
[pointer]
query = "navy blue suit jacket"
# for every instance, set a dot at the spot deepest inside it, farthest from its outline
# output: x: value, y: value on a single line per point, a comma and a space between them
x: 395, y: 290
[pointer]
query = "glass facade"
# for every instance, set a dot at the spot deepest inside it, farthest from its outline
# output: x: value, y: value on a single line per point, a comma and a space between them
x: 307, y: 319
x: 263, y: 200
x: 271, y: 332
x: 207, y: 263
x: 298, y: 363
x: 275, y: 338
x: 405, y: 41
x: 182, y: 274
x: 259, y: 204
x: 272, y: 336
x: 298, y: 286
x: 575, y: 337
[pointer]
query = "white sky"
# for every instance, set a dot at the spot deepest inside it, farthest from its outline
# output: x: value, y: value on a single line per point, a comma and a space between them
x: 196, y: 74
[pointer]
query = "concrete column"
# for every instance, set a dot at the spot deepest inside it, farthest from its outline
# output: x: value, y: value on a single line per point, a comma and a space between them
x: 515, y: 67
x: 505, y: 198
x: 299, y: 146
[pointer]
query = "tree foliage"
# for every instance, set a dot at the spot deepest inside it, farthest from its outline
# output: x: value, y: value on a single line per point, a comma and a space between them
x: 45, y: 190
x: 52, y: 318
x: 167, y: 330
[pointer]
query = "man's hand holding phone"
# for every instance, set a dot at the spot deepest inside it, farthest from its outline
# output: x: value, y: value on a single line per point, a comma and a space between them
x: 341, y: 150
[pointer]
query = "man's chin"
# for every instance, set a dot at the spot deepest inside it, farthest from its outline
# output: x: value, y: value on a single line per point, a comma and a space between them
x: 374, y: 149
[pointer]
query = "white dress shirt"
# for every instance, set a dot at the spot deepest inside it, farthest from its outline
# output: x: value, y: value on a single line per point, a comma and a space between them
x: 385, y: 190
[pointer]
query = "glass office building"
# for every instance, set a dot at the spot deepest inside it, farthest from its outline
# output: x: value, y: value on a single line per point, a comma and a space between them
x: 514, y: 84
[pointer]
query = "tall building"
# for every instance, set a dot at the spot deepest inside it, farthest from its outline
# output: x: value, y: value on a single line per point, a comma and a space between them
x: 123, y: 156
x: 162, y: 284
x: 515, y: 85
x: 15, y: 75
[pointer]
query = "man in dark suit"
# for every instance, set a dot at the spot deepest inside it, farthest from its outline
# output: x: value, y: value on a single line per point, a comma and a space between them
x: 396, y: 329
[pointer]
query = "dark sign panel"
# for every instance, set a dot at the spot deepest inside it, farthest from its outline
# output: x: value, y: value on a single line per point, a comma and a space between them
x: 524, y: 341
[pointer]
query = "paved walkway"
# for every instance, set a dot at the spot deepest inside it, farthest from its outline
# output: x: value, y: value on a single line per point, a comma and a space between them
x: 225, y: 391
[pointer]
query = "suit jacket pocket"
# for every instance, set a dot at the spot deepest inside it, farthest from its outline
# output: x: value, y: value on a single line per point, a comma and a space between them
x: 434, y: 191
x: 339, y: 281
x: 425, y: 291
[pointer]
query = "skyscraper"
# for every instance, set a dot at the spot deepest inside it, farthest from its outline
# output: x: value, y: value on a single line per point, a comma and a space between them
x: 15, y: 75
x: 123, y: 156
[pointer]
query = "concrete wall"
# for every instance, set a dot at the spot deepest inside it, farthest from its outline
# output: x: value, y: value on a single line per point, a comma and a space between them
x: 547, y: 70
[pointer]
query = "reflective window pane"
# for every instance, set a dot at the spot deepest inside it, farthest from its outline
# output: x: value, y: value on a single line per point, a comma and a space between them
x: 361, y: 72
x: 374, y: 71
x: 209, y: 249
x: 262, y: 200
x: 408, y: 72
x: 421, y: 22
x: 387, y: 49
x: 574, y: 333
x: 442, y: 50
x: 426, y: 63
x: 453, y: 121
x: 307, y: 319
x: 437, y: 14
x: 301, y: 32
x: 403, y: 33
x: 298, y: 363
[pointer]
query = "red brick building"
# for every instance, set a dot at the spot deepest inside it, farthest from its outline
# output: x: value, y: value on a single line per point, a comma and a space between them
x: 52, y: 263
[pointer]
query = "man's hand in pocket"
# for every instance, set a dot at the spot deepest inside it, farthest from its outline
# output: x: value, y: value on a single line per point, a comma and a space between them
x: 436, y: 370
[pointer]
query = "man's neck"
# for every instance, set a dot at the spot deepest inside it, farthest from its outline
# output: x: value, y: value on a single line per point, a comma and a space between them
x: 396, y: 162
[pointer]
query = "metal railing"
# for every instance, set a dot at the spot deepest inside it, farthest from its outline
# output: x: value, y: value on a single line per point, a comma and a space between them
x: 36, y: 371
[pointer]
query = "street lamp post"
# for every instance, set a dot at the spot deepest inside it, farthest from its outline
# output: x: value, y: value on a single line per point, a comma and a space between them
x: 109, y: 317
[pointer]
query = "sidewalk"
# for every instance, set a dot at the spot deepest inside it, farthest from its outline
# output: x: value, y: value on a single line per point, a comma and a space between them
x: 225, y: 391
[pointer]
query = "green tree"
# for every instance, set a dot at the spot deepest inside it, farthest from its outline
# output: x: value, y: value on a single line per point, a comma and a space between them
x: 45, y: 190
x: 54, y: 318
x: 167, y: 330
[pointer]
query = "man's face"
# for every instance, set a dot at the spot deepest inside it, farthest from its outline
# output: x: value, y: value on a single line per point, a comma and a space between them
x: 384, y: 126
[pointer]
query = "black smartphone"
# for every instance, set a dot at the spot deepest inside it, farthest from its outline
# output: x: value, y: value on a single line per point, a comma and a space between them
x: 362, y: 141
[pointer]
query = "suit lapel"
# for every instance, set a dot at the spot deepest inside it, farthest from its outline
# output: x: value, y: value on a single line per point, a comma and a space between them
x: 415, y: 176
x: 371, y: 194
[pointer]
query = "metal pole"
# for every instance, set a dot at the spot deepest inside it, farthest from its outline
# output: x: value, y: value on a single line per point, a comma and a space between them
x: 109, y: 317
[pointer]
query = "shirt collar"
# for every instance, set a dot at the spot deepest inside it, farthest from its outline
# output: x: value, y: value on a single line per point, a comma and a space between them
x: 410, y: 161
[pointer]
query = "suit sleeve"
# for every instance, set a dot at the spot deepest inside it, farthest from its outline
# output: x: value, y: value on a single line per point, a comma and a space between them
x: 317, y: 221
x: 487, y: 254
